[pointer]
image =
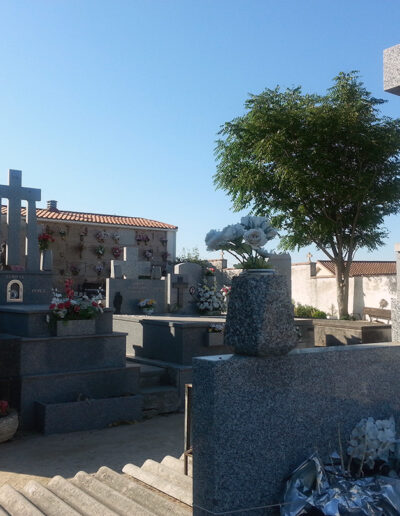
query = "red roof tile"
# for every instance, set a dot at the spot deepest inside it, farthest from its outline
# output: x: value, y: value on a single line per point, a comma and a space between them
x: 368, y: 268
x: 95, y: 218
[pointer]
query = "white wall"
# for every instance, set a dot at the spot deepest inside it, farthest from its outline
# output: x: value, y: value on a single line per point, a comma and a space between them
x: 321, y: 292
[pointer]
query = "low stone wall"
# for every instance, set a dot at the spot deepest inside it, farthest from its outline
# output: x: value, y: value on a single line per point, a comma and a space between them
x: 256, y: 419
x: 170, y: 339
x: 328, y: 332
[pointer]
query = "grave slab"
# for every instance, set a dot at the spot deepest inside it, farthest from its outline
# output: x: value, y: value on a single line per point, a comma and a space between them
x: 256, y: 419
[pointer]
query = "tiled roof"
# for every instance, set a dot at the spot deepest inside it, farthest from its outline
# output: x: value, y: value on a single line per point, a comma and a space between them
x: 95, y: 218
x: 370, y: 268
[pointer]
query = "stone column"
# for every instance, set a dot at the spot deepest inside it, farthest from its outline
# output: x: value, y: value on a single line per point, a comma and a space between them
x: 14, y: 218
x: 32, y: 246
x: 396, y: 301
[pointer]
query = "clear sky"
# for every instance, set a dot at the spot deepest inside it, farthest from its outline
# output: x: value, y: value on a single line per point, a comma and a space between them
x: 113, y: 106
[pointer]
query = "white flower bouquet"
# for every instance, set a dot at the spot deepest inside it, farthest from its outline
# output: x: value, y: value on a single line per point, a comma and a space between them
x: 244, y: 241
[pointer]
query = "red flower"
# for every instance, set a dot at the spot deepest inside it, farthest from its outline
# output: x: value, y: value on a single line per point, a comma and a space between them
x: 52, y: 306
x: 94, y: 304
x: 77, y: 308
x: 61, y: 306
x: 3, y: 406
x: 67, y: 304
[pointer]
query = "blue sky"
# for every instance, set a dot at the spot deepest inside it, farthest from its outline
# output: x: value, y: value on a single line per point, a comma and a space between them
x: 114, y: 106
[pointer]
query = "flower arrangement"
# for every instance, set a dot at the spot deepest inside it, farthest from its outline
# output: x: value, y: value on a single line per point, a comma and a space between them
x: 216, y: 328
x: 62, y: 234
x: 244, y: 241
x: 4, y: 408
x: 372, y: 441
x: 74, y: 270
x: 164, y: 241
x: 147, y: 303
x: 148, y: 254
x: 209, y: 271
x: 99, y: 268
x: 142, y: 238
x: 209, y: 299
x: 116, y: 251
x: 115, y: 237
x: 99, y: 251
x: 101, y: 236
x: 83, y: 234
x: 72, y: 306
x: 44, y: 241
x: 226, y: 290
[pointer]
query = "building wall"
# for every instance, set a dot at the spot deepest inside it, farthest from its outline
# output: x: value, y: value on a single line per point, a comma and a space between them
x: 75, y: 245
x: 318, y: 291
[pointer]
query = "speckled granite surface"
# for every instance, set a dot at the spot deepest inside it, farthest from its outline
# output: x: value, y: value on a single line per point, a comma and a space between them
x: 256, y: 419
x: 396, y: 302
x: 260, y: 316
x: 391, y: 70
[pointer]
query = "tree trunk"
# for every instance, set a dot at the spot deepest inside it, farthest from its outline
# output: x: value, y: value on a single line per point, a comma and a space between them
x: 342, y: 288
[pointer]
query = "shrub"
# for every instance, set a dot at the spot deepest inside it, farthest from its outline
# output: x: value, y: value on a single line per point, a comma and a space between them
x: 307, y: 311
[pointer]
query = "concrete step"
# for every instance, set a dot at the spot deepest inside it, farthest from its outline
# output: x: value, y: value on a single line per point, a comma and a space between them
x: 162, y: 399
x: 47, y: 501
x: 160, y: 483
x: 151, y: 376
x: 159, y: 503
x: 178, y: 479
x: 16, y: 504
x: 177, y: 464
x: 108, y: 496
x: 77, y: 498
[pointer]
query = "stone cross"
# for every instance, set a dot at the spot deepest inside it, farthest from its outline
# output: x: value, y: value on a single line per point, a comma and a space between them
x: 15, y: 193
x: 309, y: 256
x: 180, y: 285
x: 128, y: 267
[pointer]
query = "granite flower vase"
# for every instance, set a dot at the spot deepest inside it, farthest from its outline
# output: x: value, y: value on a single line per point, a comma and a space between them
x: 76, y: 327
x: 46, y: 260
x: 8, y: 426
x: 260, y: 319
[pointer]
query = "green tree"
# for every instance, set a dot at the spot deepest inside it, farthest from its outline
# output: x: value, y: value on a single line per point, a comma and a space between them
x: 324, y: 168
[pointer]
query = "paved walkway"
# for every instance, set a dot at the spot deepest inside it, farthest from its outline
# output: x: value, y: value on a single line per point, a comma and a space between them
x: 41, y: 457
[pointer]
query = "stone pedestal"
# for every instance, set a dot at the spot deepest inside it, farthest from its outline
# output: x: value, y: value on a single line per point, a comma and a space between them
x: 255, y: 420
x: 260, y: 320
x: 50, y: 378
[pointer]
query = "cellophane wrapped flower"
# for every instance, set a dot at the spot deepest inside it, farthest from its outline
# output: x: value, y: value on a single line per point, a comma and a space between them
x: 372, y: 440
x: 72, y: 305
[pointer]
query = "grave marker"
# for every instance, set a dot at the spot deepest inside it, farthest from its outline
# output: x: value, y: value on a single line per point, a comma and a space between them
x: 15, y: 193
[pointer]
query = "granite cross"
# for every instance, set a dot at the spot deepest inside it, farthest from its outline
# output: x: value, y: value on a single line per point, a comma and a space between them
x: 128, y: 267
x: 15, y: 193
x: 180, y: 286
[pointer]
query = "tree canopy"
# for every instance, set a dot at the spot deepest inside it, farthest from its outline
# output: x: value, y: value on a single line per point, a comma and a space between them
x: 324, y: 168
